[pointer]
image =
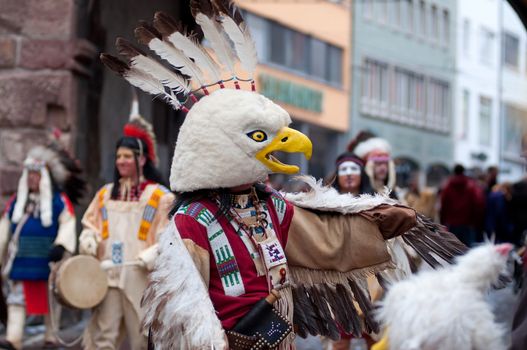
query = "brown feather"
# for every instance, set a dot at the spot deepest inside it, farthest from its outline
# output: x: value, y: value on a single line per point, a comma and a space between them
x: 228, y: 7
x: 300, y: 318
x: 324, y: 320
x: 165, y: 24
x: 201, y: 6
x: 114, y: 63
x: 365, y: 304
x: 355, y: 322
x: 127, y: 49
x: 146, y: 33
x: 309, y: 311
x: 341, y: 313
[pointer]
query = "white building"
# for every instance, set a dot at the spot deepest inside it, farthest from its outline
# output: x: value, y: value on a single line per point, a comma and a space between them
x: 514, y: 94
x: 477, y: 108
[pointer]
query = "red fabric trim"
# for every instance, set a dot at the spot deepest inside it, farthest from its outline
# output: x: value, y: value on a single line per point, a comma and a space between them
x: 9, y: 203
x: 36, y: 295
x: 131, y: 130
x: 67, y: 203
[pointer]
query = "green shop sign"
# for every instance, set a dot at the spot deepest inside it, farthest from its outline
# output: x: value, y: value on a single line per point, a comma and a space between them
x: 290, y: 93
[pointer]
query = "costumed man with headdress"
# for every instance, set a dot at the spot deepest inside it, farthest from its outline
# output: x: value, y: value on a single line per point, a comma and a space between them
x: 239, y: 263
x: 376, y: 153
x: 121, y: 227
x: 38, y: 227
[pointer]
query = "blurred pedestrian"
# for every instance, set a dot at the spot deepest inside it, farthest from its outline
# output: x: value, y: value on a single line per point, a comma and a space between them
x: 121, y: 227
x: 497, y: 221
x: 350, y: 176
x: 379, y: 166
x: 461, y: 206
x: 38, y: 227
x: 422, y: 200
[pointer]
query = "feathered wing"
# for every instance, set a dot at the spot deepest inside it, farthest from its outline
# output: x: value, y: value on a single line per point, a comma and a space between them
x: 319, y: 298
x: 179, y: 312
x: 140, y: 79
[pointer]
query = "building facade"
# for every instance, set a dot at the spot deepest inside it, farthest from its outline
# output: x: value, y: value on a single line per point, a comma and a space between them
x: 403, y: 81
x: 477, y: 90
x: 513, y: 121
x: 304, y: 54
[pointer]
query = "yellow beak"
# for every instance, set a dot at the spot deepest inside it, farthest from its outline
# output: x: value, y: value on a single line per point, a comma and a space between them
x: 383, y: 343
x: 287, y: 140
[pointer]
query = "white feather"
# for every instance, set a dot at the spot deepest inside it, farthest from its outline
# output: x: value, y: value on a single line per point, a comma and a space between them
x: 197, y: 53
x: 243, y: 43
x: 217, y: 40
x: 188, y: 319
x: 446, y: 309
x: 150, y: 85
x: 155, y: 69
x: 177, y: 58
x: 325, y: 198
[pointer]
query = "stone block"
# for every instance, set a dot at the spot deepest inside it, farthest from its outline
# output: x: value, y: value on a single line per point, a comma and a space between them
x: 8, y: 181
x: 16, y: 143
x: 31, y: 99
x: 7, y: 52
x: 73, y: 55
x: 50, y: 19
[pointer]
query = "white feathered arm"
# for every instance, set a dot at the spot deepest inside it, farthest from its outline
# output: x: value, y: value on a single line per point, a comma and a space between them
x: 178, y: 311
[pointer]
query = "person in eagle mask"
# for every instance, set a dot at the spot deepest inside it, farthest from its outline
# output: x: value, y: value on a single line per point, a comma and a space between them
x: 121, y: 227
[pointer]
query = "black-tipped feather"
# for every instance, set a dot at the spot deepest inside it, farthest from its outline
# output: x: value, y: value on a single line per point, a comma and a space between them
x: 146, y: 33
x: 127, y: 49
x: 355, y: 322
x: 366, y: 306
x: 114, y: 63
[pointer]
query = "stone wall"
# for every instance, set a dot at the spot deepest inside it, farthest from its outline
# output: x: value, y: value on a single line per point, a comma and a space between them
x: 40, y: 58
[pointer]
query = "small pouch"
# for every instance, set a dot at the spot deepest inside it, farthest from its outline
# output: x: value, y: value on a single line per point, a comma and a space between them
x: 263, y: 327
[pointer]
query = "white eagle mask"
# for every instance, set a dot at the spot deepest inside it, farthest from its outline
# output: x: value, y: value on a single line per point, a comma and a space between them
x: 227, y: 138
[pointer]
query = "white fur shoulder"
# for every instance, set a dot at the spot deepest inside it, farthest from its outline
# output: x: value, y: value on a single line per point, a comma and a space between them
x: 325, y: 198
x: 178, y: 310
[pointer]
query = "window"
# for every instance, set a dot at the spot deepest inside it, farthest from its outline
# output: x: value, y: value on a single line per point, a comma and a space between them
x: 511, y: 47
x: 260, y: 33
x: 288, y: 48
x: 334, y: 74
x: 374, y: 87
x: 485, y: 120
x: 466, y: 37
x: 514, y: 126
x: 446, y: 28
x: 438, y: 105
x: 383, y: 11
x: 298, y: 58
x: 278, y: 44
x: 465, y: 114
x: 367, y: 8
x: 435, y: 24
x: 486, y: 52
x: 423, y: 22
x: 318, y: 58
x: 408, y: 103
x: 410, y: 16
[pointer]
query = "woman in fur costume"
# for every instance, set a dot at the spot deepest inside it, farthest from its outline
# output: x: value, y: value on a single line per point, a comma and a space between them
x: 121, y: 227
x: 240, y: 264
x: 37, y: 227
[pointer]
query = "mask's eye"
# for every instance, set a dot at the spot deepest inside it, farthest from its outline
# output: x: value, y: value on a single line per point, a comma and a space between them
x: 258, y: 135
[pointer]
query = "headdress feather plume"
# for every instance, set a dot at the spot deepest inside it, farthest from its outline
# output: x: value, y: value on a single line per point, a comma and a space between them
x: 203, y: 13
x: 190, y: 47
x: 142, y: 62
x: 238, y: 31
x: 149, y: 36
x: 140, y: 79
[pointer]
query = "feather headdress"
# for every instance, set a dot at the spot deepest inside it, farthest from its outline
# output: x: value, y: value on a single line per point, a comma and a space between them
x: 139, y: 128
x: 229, y: 39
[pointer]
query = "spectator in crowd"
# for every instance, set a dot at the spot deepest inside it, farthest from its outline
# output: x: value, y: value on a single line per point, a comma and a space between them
x: 462, y: 205
x: 422, y: 200
x: 497, y: 221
